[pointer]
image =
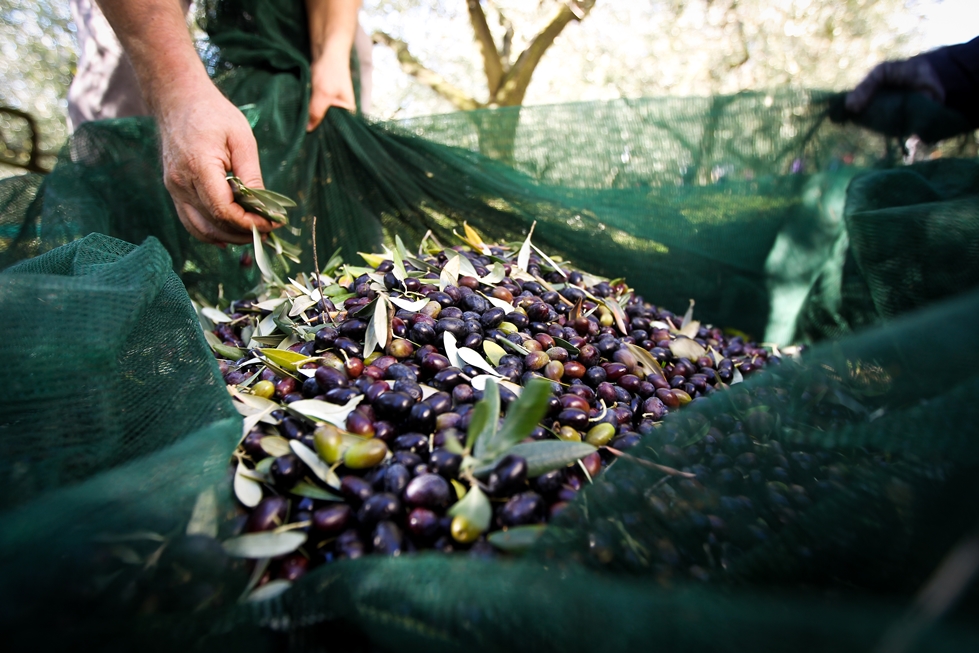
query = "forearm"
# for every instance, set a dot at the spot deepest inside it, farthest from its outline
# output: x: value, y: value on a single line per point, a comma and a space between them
x: 154, y: 35
x: 332, y: 24
x: 957, y: 67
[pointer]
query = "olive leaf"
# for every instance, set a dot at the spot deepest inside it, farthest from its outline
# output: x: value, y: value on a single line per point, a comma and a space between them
x: 323, y: 411
x: 261, y: 260
x: 484, y: 421
x: 304, y: 489
x: 248, y: 491
x: 474, y: 239
x: 554, y: 266
x: 472, y: 357
x: 264, y: 545
x: 475, y: 507
x: 516, y: 539
x: 543, y: 456
x: 523, y: 258
x: 204, y: 516
x: 617, y: 314
x: 512, y: 345
x: 266, y: 203
x: 269, y: 590
x: 499, y: 303
x: 466, y: 267
x: 223, y: 350
x: 287, y: 360
x: 214, y: 315
x: 736, y: 376
x: 275, y: 445
x: 451, y: 351
x: 494, y: 352
x: 479, y: 383
x: 522, y: 417
x: 495, y: 275
x: 315, y: 463
x: 407, y: 305
x: 561, y: 342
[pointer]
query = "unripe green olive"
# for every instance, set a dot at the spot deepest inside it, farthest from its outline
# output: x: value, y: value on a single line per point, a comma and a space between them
x: 366, y: 454
x: 600, y: 434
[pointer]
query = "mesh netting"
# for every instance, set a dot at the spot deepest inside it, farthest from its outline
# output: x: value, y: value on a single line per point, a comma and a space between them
x: 855, y: 464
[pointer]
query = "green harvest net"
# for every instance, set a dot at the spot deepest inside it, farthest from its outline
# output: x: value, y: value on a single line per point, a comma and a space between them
x: 117, y: 430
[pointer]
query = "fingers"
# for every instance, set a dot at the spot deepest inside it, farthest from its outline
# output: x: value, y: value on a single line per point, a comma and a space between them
x: 205, y: 230
x: 858, y: 99
x: 332, y: 87
x: 914, y: 74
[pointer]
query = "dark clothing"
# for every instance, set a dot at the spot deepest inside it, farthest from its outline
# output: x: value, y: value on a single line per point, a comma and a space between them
x: 957, y: 67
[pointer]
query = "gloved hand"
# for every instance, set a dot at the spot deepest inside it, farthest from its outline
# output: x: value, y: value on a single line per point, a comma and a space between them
x: 914, y: 74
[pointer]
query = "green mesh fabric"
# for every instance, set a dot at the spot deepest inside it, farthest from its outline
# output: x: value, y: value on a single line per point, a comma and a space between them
x: 117, y: 432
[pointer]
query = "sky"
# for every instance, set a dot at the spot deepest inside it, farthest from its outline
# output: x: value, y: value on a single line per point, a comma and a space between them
x: 950, y: 21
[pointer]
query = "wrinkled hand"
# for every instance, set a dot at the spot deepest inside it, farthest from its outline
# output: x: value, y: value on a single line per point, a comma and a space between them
x: 332, y: 87
x: 914, y: 74
x: 204, y: 136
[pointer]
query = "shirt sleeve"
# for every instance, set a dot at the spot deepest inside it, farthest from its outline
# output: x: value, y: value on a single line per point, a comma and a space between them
x: 957, y: 67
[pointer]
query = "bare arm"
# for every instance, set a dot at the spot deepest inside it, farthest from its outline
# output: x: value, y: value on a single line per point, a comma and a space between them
x: 332, y: 24
x: 202, y: 134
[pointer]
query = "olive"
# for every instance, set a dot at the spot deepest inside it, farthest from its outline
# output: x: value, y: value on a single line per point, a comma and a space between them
x: 548, y: 482
x: 287, y: 470
x: 349, y: 545
x: 508, y: 475
x: 396, y: 478
x: 268, y: 514
x: 387, y: 539
x: 573, y: 417
x: 379, y: 507
x: 332, y: 519
x: 595, y: 375
x: 358, y: 424
x: 524, y: 508
x: 453, y: 325
x: 428, y: 491
x: 393, y: 405
x: 355, y: 489
x: 415, y: 443
x: 420, y: 418
x: 293, y: 567
x: 365, y: 454
x: 423, y: 334
x: 423, y: 523
x: 445, y: 463
x: 600, y: 434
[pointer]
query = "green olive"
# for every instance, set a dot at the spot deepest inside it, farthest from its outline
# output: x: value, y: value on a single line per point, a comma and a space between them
x: 365, y: 454
x: 600, y: 434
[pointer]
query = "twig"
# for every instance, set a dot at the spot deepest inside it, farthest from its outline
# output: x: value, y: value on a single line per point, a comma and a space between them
x: 669, y: 471
x: 319, y: 282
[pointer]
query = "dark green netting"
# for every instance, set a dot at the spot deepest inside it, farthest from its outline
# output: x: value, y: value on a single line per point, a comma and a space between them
x: 117, y: 431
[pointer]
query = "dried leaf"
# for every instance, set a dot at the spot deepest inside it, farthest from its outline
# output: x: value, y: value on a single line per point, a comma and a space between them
x: 523, y: 258
x: 684, y: 347
x: 275, y: 445
x: 617, y: 313
x: 372, y: 260
x: 264, y: 545
x: 315, y: 463
x: 689, y: 329
x: 646, y: 360
x: 248, y: 491
x: 450, y: 273
x: 474, y: 239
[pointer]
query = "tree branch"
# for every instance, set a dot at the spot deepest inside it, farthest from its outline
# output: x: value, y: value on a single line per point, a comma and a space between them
x: 33, y: 163
x: 412, y: 66
x: 492, y: 65
x: 517, y: 79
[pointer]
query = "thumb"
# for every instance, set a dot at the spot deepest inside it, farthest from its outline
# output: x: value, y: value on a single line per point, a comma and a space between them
x: 245, y: 163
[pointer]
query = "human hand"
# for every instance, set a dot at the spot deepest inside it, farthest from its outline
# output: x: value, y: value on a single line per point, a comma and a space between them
x: 914, y: 74
x: 332, y: 86
x: 203, y: 136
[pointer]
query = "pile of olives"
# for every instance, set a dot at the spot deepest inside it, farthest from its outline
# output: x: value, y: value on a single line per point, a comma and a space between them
x: 387, y: 476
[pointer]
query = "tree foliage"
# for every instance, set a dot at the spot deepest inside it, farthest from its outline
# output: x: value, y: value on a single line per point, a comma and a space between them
x: 37, y: 61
